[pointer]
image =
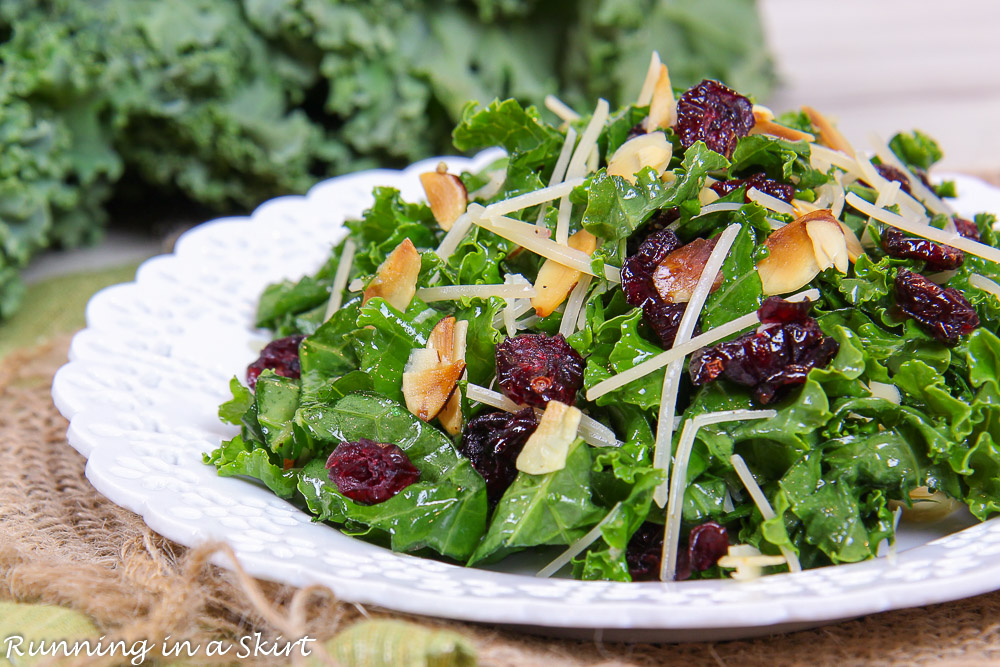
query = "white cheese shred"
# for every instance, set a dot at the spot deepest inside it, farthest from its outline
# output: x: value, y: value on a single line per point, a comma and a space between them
x: 574, y: 305
x: 533, y: 198
x: 523, y: 306
x: 340, y: 278
x: 760, y: 500
x: 894, y: 542
x: 559, y: 171
x: 769, y: 202
x: 578, y: 165
x: 671, y: 379
x: 923, y: 193
x: 575, y: 549
x: 985, y: 284
x: 822, y: 158
x: 492, y: 187
x: 925, y: 231
x: 593, y: 432
x: 531, y: 238
x: 649, y: 84
x: 454, y: 292
x: 449, y: 244
x: 672, y: 526
x: 561, y: 109
x: 886, y: 391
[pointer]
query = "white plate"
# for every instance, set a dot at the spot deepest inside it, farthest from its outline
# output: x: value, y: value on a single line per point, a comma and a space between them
x: 155, y: 360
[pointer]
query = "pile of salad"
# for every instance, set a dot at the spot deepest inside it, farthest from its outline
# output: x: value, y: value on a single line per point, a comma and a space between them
x: 688, y: 338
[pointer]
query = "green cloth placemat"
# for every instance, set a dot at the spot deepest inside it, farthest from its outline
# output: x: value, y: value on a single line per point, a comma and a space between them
x: 57, y: 305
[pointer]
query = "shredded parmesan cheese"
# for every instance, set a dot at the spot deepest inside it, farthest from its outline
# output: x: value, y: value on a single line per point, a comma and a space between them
x: 923, y: 193
x: 559, y: 171
x: 340, y: 279
x: 887, y: 391
x: 760, y: 500
x: 528, y: 237
x: 748, y: 562
x: 593, y: 432
x: 575, y: 549
x: 530, y: 199
x: 769, y: 202
x: 458, y: 231
x: 985, y: 284
x: 671, y: 379
x: 821, y: 157
x: 523, y: 306
x: 578, y: 165
x: 491, y: 187
x: 356, y: 285
x: 561, y: 109
x: 649, y: 84
x: 574, y: 305
x: 925, y: 231
x: 678, y: 483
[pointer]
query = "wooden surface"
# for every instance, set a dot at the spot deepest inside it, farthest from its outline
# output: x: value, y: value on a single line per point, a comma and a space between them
x: 887, y: 65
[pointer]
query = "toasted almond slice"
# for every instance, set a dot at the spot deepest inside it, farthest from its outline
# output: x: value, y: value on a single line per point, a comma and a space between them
x: 451, y: 415
x: 762, y: 114
x: 442, y: 339
x: 446, y: 195
x: 707, y: 196
x: 555, y: 281
x: 773, y: 129
x: 663, y: 107
x: 829, y: 135
x: 396, y: 278
x: 800, y: 250
x: 546, y: 449
x: 428, y: 390
x: 927, y: 505
x: 854, y: 249
x: 646, y: 150
x: 829, y: 240
x: 678, y: 273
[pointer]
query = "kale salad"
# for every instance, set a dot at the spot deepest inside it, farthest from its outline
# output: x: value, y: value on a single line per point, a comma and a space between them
x: 688, y: 338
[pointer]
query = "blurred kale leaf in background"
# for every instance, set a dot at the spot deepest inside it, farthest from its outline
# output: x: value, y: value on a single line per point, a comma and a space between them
x: 231, y: 102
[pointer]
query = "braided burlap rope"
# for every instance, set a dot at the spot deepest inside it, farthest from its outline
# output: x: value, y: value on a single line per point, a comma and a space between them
x: 63, y: 543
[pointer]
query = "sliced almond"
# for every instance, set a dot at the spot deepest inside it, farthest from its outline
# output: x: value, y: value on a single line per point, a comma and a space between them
x: 762, y: 114
x: 769, y: 127
x: 829, y: 240
x: 927, y: 505
x: 663, y: 107
x: 829, y: 135
x: 396, y: 278
x: 707, y: 196
x: 854, y: 249
x: 547, y: 448
x: 676, y: 276
x: 555, y: 281
x: 800, y: 250
x: 446, y: 195
x: 646, y: 150
x: 442, y: 339
x: 451, y: 415
x: 428, y: 389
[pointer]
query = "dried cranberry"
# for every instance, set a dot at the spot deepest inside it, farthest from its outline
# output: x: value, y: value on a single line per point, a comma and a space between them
x: 967, y: 228
x: 943, y: 312
x: 768, y: 186
x: 664, y: 319
x: 492, y: 442
x: 707, y: 543
x: 662, y: 219
x: 938, y: 257
x: 777, y: 357
x: 636, y: 130
x: 712, y: 113
x: 776, y: 310
x: 890, y: 173
x: 534, y: 369
x: 637, y: 269
x: 370, y: 472
x: 280, y: 356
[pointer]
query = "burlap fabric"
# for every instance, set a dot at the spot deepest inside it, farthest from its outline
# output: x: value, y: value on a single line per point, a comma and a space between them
x: 63, y: 543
